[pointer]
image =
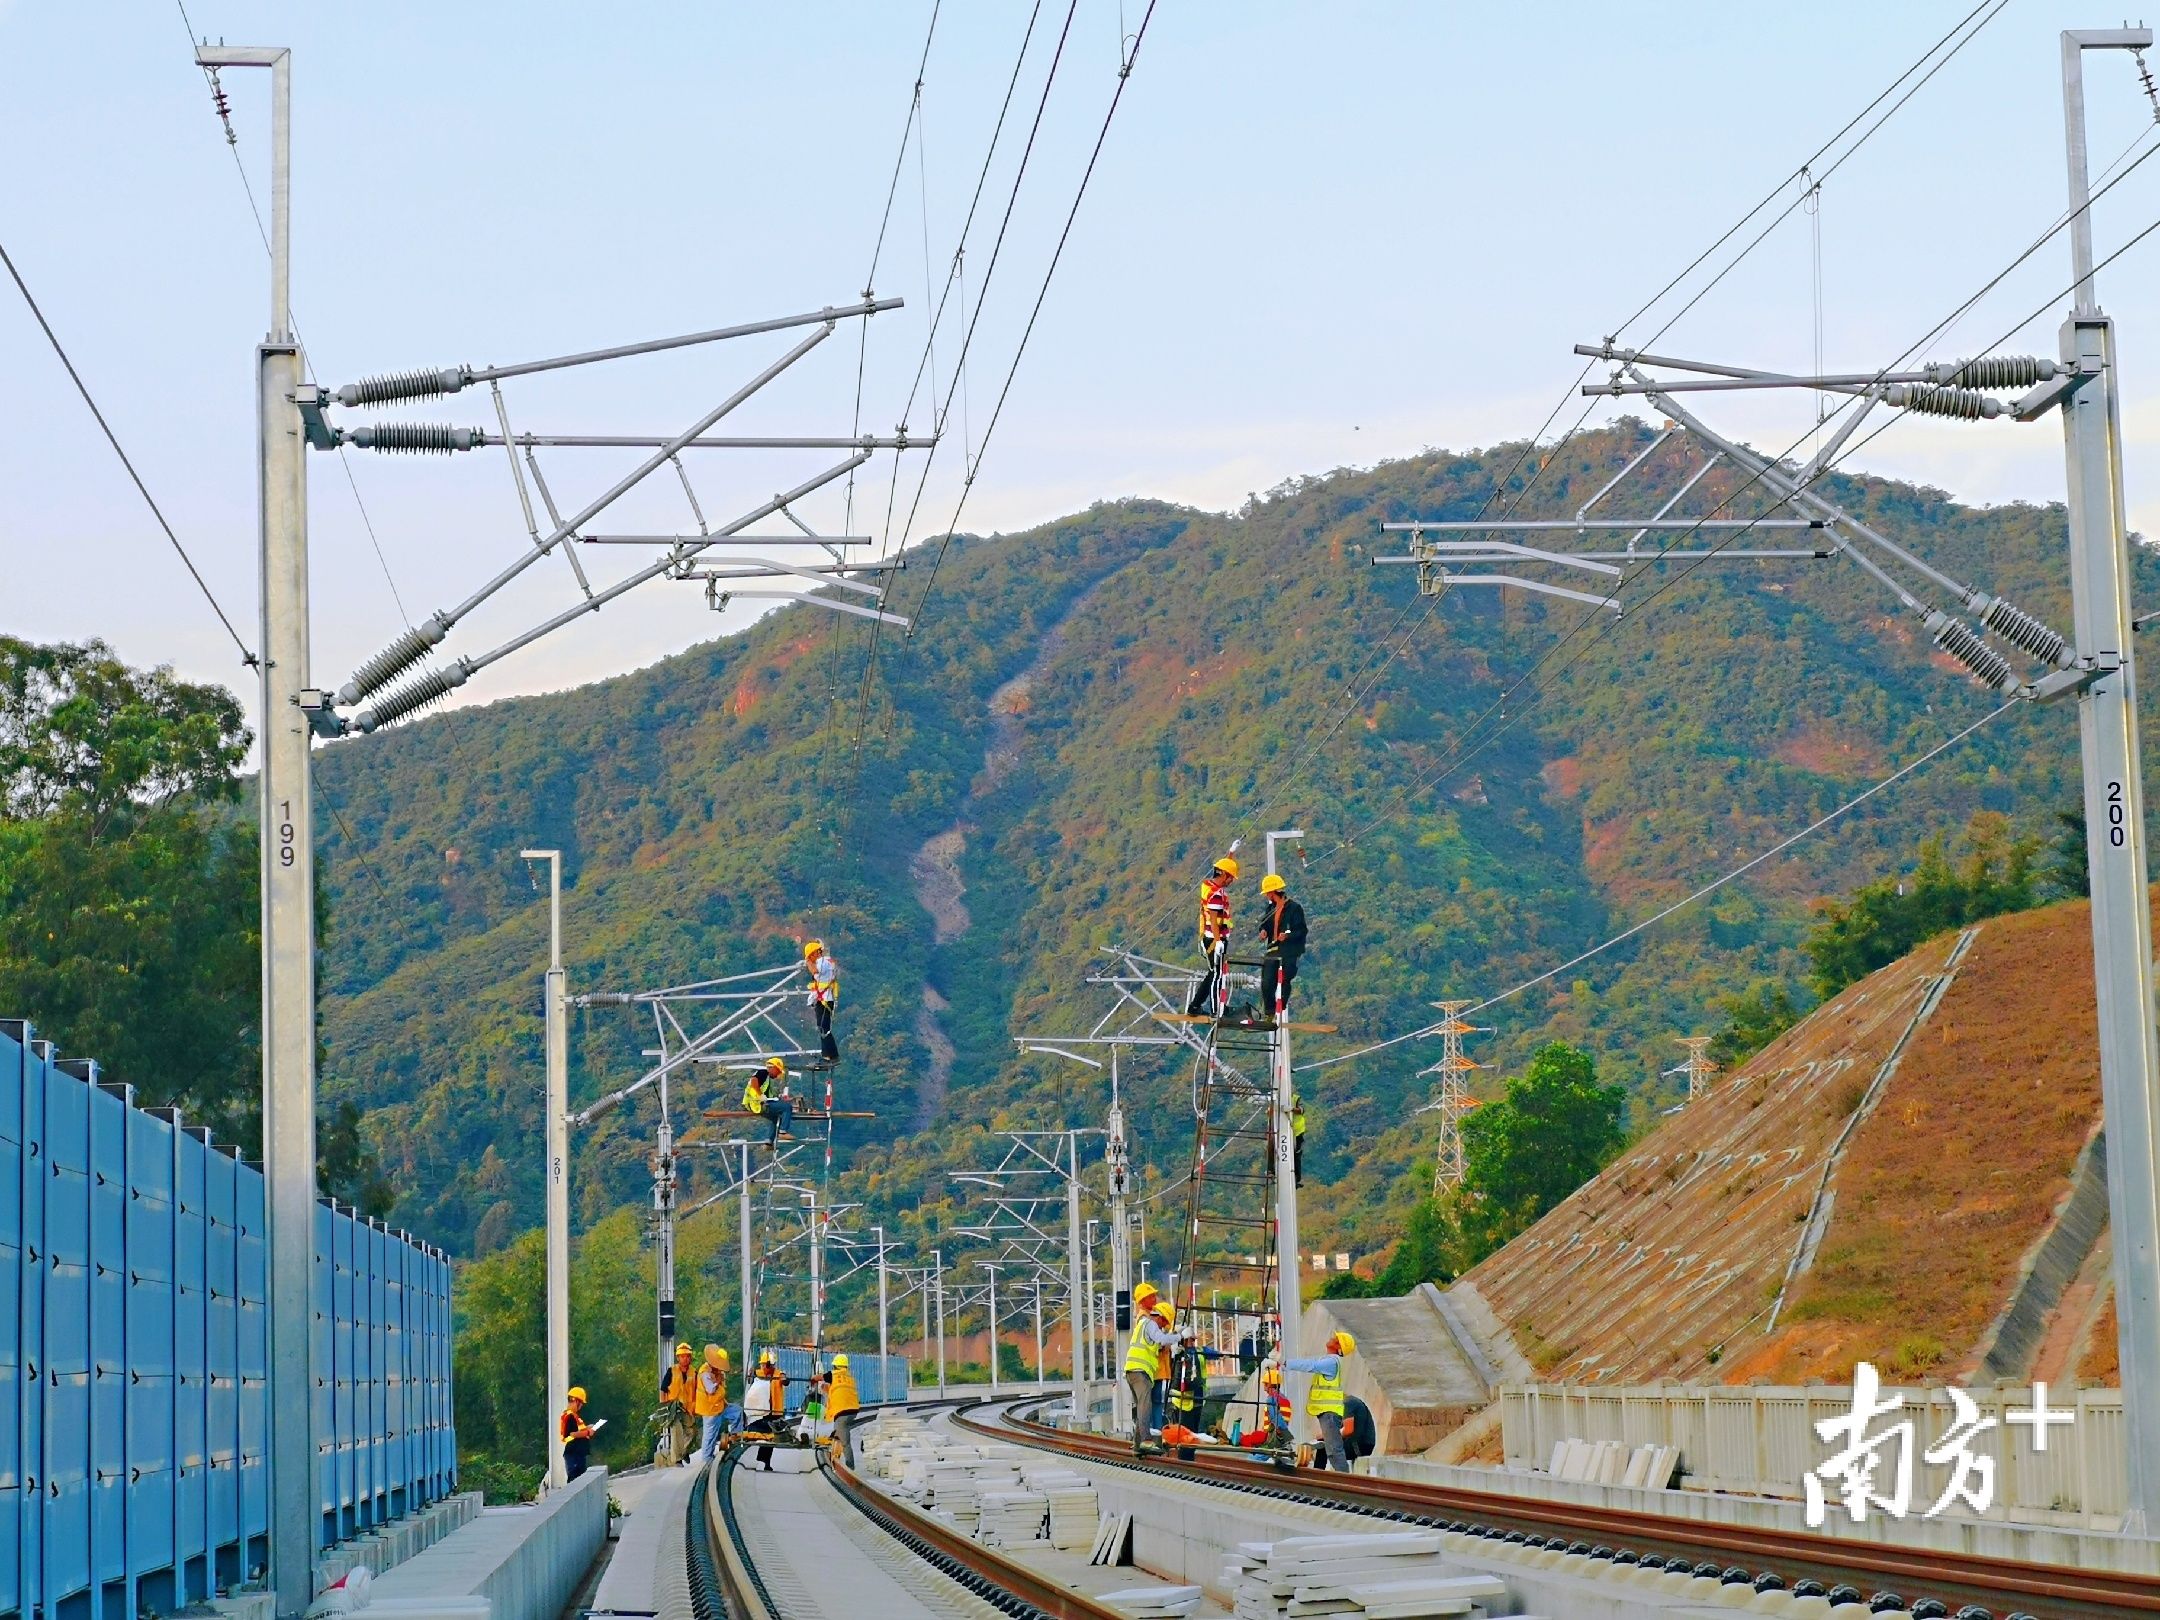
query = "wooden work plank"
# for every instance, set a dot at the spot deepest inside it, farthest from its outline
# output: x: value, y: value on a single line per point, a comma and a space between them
x: 1256, y: 1024
x: 800, y: 1113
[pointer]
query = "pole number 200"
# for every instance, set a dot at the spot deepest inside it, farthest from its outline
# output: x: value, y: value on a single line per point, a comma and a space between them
x: 2116, y: 834
x: 286, y: 854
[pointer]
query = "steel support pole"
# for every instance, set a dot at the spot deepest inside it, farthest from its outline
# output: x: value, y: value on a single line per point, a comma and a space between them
x: 664, y: 1235
x: 884, y: 1318
x: 1038, y: 1334
x: 817, y: 1275
x: 937, y: 1259
x: 1287, y: 1303
x: 2114, y: 815
x: 287, y: 831
x: 1075, y: 1283
x: 993, y: 1330
x: 1119, y: 1163
x: 748, y: 1283
x: 555, y: 1105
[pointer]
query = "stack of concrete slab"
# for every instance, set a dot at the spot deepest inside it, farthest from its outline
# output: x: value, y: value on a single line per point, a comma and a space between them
x: 1012, y: 1518
x: 386, y: 1546
x: 1388, y: 1575
x: 1149, y: 1602
x: 1613, y: 1462
x: 516, y: 1563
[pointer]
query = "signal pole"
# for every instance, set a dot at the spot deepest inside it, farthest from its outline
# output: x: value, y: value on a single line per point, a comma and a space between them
x: 556, y: 1104
x: 1287, y: 1303
x: 288, y: 873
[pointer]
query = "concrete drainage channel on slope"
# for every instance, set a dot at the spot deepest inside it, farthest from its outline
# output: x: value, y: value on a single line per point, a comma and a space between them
x: 1565, y: 1558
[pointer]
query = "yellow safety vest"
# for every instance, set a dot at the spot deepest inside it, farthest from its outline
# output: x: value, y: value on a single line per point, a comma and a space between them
x: 844, y: 1397
x: 753, y: 1095
x: 1214, y: 912
x: 1326, y: 1394
x: 825, y: 991
x: 1143, y: 1355
x: 1297, y: 1122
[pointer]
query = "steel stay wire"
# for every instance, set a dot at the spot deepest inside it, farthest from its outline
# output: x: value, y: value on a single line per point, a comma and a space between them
x: 113, y: 439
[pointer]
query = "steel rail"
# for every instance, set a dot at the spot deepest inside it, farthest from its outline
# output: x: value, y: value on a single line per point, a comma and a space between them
x: 2052, y: 1591
x: 986, y: 1574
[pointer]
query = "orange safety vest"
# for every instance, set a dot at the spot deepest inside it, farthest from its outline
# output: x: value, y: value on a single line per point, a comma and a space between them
x: 681, y: 1384
x: 1214, y: 911
x: 709, y: 1392
x: 843, y: 1397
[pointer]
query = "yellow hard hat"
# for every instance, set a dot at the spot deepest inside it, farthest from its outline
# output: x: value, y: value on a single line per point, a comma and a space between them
x: 1145, y: 1292
x: 577, y: 1392
x: 813, y: 947
x: 776, y: 1065
x: 1227, y: 864
x: 714, y: 1356
x: 839, y: 1362
x: 684, y: 1350
x: 1345, y: 1342
x: 1273, y: 884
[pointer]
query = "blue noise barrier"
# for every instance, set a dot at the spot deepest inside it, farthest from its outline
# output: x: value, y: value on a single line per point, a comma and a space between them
x: 134, y: 1339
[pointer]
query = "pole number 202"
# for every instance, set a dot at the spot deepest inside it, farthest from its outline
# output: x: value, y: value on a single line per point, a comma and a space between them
x: 286, y: 853
x: 2116, y: 834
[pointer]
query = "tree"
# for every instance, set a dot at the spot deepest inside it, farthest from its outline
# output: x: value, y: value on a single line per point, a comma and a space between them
x: 1552, y: 1130
x: 1753, y: 1020
x: 1882, y: 921
x: 129, y: 911
x: 1428, y: 1251
x: 2066, y: 872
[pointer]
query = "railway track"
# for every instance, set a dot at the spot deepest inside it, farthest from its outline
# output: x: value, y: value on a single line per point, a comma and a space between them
x: 1960, y: 1582
x: 822, y: 1543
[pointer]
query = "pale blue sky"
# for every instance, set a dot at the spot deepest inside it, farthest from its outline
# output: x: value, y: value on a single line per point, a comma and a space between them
x: 1319, y: 235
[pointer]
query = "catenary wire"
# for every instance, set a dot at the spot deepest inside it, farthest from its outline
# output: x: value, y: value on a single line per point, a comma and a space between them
x: 113, y: 439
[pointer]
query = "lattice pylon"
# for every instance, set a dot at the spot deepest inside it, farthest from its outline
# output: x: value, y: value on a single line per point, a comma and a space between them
x: 1698, y: 1068
x: 1453, y: 1099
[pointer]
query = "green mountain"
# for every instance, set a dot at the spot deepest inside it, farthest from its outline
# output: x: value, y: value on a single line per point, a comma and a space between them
x: 1085, y: 716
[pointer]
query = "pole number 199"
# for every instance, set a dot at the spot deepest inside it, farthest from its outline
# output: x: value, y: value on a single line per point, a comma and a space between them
x: 286, y: 855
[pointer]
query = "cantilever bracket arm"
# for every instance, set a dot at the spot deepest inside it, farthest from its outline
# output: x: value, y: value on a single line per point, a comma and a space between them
x: 719, y: 599
x: 1509, y: 581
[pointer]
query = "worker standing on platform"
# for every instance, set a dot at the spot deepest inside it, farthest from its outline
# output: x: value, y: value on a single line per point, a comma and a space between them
x: 824, y: 995
x: 1147, y: 1358
x: 1324, y: 1401
x: 576, y: 1435
x: 1282, y: 935
x: 710, y: 1399
x: 765, y: 1404
x: 1214, y: 935
x: 1297, y: 1139
x: 842, y: 1401
x: 678, y: 1401
x: 758, y: 1102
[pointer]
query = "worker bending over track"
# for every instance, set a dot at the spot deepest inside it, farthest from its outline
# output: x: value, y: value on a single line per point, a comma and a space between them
x: 765, y: 1404
x: 1214, y: 936
x: 1324, y: 1401
x: 842, y: 1402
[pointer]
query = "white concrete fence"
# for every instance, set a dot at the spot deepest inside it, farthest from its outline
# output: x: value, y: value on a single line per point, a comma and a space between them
x: 1762, y: 1441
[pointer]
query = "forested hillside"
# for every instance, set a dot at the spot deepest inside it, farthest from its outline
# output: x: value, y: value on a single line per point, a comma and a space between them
x: 1087, y: 714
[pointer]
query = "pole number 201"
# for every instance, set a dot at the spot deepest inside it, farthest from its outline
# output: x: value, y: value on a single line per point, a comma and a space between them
x: 2116, y: 834
x: 287, y: 855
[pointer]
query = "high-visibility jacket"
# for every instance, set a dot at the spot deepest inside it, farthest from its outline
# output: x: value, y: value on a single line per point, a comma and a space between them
x: 1214, y: 911
x: 1143, y: 1354
x: 1188, y: 1380
x: 843, y: 1397
x: 1297, y: 1122
x: 753, y: 1095
x: 825, y: 981
x: 709, y: 1392
x: 680, y: 1387
x: 1326, y: 1393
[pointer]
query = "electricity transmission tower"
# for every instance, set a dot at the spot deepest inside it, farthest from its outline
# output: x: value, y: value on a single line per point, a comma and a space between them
x: 1453, y: 1100
x: 1697, y: 1067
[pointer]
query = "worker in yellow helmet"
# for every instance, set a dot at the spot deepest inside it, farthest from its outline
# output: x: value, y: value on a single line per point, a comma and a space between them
x: 1147, y: 1359
x: 842, y: 1402
x: 678, y: 1399
x: 1324, y: 1401
x: 1282, y: 941
x: 824, y: 995
x: 1214, y: 936
x: 1297, y: 1139
x: 711, y: 1399
x: 759, y: 1102
x: 576, y: 1435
